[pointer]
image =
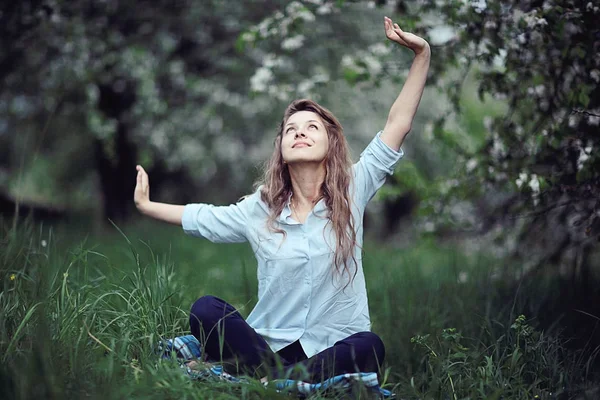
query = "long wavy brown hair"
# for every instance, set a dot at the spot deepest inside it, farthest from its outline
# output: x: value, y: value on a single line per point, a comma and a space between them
x: 277, y: 185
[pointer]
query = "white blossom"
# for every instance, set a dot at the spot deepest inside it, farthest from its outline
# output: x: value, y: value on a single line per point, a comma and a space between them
x: 272, y: 61
x: 479, y: 5
x: 498, y: 147
x: 487, y: 122
x: 534, y: 184
x: 441, y: 34
x: 521, y: 179
x: 584, y: 155
x: 429, y: 226
x: 373, y: 64
x: 499, y: 59
x: 593, y: 120
x: 533, y: 20
x: 294, y: 7
x: 247, y: 37
x: 297, y: 10
x: 263, y: 27
x: 471, y: 164
x: 305, y: 86
x: 573, y: 121
x: 379, y: 49
x: 428, y: 131
x: 293, y: 43
x: 325, y: 9
x: 261, y: 78
x: 490, y: 24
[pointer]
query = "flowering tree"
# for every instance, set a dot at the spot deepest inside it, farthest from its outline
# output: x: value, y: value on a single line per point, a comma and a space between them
x: 538, y: 166
x: 91, y: 88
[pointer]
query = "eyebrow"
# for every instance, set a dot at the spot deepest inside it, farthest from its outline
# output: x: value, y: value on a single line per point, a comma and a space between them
x: 310, y: 120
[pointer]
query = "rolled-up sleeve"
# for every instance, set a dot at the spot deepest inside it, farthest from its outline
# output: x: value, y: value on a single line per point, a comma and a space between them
x: 219, y: 224
x: 376, y: 162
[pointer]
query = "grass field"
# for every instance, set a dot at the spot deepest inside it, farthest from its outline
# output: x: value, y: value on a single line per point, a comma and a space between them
x: 81, y: 316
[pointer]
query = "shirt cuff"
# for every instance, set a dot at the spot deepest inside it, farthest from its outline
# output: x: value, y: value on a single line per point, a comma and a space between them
x: 387, y: 156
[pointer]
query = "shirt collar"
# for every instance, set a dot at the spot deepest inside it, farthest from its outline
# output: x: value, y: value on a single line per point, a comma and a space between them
x: 286, y: 214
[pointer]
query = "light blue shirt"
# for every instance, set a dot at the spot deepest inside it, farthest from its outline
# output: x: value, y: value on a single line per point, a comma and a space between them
x: 300, y: 295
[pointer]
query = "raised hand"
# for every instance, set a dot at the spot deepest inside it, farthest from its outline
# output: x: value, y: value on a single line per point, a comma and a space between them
x: 406, y: 39
x: 141, y: 195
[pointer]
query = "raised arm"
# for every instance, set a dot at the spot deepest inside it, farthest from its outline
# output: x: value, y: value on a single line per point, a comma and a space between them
x: 164, y: 212
x: 403, y: 110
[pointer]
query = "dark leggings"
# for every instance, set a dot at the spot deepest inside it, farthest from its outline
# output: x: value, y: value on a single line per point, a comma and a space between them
x: 227, y: 337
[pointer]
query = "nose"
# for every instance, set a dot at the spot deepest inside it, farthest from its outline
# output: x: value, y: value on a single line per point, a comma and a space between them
x: 300, y: 133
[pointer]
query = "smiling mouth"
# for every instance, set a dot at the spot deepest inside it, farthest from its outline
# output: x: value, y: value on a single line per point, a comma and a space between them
x: 300, y: 145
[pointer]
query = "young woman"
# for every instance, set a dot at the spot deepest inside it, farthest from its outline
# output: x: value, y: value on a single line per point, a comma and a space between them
x: 304, y: 223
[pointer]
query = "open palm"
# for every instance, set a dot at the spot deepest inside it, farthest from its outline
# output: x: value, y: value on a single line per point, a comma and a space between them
x: 406, y: 39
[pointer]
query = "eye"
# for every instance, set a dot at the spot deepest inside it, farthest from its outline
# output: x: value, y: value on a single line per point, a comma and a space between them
x: 312, y: 126
x: 290, y: 130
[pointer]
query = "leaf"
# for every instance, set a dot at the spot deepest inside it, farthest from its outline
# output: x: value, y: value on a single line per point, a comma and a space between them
x: 15, y: 337
x: 584, y: 99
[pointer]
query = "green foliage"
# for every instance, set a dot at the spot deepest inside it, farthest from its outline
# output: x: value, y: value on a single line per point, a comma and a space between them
x: 523, y: 363
x: 83, y: 320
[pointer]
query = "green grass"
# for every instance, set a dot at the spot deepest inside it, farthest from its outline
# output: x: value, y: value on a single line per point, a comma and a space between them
x: 80, y: 317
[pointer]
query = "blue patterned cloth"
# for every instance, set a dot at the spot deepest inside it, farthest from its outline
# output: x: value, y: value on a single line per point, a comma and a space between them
x: 344, y: 382
x: 187, y: 348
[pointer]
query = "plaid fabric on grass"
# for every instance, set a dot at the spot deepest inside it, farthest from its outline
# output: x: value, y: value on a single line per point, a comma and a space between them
x: 340, y: 382
x: 187, y: 348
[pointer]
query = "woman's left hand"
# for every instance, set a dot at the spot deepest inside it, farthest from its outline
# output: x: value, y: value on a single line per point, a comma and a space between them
x: 406, y: 39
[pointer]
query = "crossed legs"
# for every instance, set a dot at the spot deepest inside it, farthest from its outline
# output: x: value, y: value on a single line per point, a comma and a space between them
x: 227, y: 337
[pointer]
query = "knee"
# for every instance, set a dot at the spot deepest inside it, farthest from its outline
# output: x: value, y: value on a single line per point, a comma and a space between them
x: 203, y: 309
x: 373, y: 346
x: 378, y: 347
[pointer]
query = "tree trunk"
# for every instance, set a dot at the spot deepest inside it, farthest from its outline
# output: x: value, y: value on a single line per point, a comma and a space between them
x: 116, y: 159
x: 117, y: 175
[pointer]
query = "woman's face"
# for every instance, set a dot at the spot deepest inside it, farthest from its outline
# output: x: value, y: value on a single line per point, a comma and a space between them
x: 304, y: 138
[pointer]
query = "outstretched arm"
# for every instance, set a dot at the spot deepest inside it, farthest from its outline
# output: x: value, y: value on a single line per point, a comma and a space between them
x: 403, y: 110
x: 164, y: 212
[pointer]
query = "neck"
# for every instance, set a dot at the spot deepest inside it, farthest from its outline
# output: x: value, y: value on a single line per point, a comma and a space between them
x: 306, y: 183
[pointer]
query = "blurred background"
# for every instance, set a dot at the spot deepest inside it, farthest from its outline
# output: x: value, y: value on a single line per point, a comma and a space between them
x: 502, y: 159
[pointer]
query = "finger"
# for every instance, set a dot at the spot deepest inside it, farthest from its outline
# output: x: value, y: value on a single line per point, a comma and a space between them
x: 401, y: 34
x: 401, y: 41
x: 388, y: 23
x: 138, y: 178
x: 145, y: 181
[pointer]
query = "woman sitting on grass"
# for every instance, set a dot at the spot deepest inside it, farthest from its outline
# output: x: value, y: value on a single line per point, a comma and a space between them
x: 304, y: 223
